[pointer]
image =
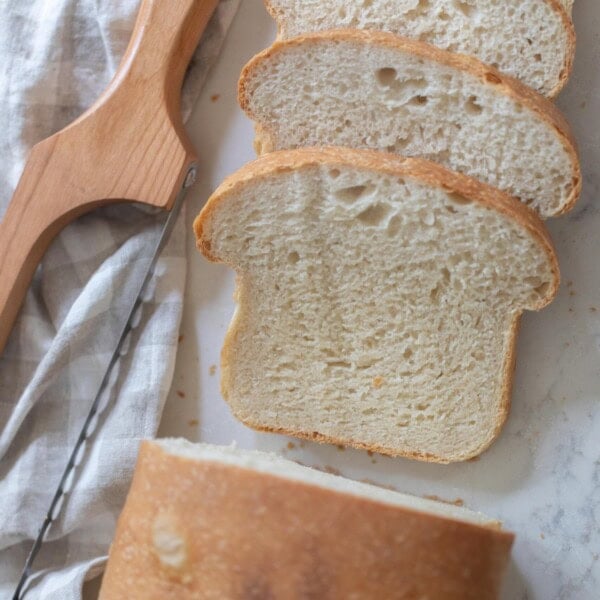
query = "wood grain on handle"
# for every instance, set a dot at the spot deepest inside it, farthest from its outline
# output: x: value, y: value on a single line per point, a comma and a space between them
x: 130, y: 145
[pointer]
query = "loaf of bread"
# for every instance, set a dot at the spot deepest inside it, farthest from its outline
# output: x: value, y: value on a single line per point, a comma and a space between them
x: 532, y: 40
x: 365, y: 89
x: 211, y: 523
x: 378, y: 299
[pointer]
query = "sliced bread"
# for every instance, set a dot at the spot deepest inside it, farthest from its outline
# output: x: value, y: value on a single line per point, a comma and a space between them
x: 532, y: 40
x: 378, y: 299
x: 203, y: 522
x: 366, y: 89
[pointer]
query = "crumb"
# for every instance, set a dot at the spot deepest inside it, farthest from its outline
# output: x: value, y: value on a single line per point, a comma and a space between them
x: 180, y: 339
x: 542, y: 536
x: 212, y: 370
x: 291, y: 445
x: 378, y: 382
x: 583, y: 104
x: 330, y: 470
x: 193, y: 422
x: 180, y: 393
x: 572, y: 293
x: 569, y: 283
x: 593, y: 309
x: 571, y: 310
x: 373, y: 461
x: 457, y: 502
x: 340, y: 447
x: 385, y: 486
x: 215, y: 97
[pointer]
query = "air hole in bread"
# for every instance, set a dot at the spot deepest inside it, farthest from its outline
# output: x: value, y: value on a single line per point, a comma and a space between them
x: 334, y: 173
x: 394, y: 226
x: 472, y: 107
x: 464, y: 7
x: 459, y: 199
x: 293, y: 257
x: 386, y: 76
x: 374, y: 215
x: 351, y: 194
x: 419, y: 100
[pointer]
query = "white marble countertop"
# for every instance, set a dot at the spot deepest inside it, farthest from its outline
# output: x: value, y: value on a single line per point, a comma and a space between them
x: 542, y: 477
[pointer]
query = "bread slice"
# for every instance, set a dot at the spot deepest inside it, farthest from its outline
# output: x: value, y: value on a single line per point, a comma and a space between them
x: 368, y: 89
x: 532, y: 40
x: 378, y: 299
x: 203, y: 522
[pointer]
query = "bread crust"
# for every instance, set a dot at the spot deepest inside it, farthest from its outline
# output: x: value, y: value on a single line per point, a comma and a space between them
x: 416, y: 168
x: 247, y: 534
x: 487, y: 74
x: 555, y: 5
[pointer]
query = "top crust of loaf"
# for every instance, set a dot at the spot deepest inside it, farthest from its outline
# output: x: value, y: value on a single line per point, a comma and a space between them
x: 422, y: 170
x: 203, y: 529
x: 502, y: 84
x: 562, y: 8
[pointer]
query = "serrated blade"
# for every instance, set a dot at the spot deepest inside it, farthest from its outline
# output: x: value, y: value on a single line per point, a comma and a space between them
x: 130, y: 321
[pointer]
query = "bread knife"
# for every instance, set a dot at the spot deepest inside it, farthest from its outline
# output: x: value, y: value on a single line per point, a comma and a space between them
x: 130, y: 145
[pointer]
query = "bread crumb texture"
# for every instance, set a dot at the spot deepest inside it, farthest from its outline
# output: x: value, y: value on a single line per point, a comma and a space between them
x: 531, y: 40
x: 366, y: 90
x: 373, y: 310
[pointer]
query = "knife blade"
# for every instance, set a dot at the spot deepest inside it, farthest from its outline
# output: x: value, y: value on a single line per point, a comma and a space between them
x: 100, y: 404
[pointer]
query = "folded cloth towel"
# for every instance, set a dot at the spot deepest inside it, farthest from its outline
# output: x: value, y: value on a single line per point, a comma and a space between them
x: 56, y: 56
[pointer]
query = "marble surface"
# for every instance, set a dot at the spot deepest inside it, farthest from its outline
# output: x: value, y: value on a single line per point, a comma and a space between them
x: 542, y: 477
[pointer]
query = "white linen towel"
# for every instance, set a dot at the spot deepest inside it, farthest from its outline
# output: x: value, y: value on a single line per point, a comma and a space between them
x: 56, y: 56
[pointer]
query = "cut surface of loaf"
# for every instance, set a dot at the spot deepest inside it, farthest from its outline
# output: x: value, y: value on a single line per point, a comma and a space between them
x: 532, y: 40
x: 378, y: 299
x: 374, y: 90
x: 207, y: 522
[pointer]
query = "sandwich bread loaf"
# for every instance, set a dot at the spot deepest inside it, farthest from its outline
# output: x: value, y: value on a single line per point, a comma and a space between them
x: 211, y: 523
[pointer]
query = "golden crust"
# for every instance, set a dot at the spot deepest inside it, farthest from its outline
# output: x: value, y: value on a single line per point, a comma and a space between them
x: 555, y: 5
x: 246, y: 534
x: 422, y: 170
x: 487, y: 74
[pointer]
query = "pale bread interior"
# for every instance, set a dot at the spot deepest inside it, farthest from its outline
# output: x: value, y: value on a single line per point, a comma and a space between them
x: 273, y: 465
x: 340, y: 91
x: 527, y: 39
x: 373, y: 310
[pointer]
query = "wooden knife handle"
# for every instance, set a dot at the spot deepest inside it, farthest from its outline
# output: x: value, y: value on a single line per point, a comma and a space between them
x: 130, y: 145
